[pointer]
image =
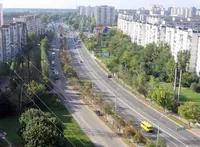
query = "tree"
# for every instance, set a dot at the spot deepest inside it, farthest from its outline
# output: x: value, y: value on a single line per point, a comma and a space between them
x: 108, y: 109
x: 150, y: 144
x: 163, y: 98
x: 128, y: 131
x: 138, y: 137
x: 190, y: 111
x: 45, y: 44
x: 170, y: 69
x: 141, y: 84
x: 5, y: 104
x: 40, y: 129
x: 160, y: 142
x: 35, y: 88
x: 183, y: 60
x: 44, y: 18
x: 4, y: 69
x: 152, y: 85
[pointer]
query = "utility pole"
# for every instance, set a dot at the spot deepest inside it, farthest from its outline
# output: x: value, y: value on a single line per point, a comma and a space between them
x: 175, y: 80
x: 180, y: 81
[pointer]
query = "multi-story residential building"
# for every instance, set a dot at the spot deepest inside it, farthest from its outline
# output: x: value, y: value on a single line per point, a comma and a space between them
x: 183, y: 12
x: 33, y: 23
x: 104, y: 15
x: 10, y: 40
x: 6, y: 44
x: 86, y: 11
x: 1, y: 14
x: 179, y: 38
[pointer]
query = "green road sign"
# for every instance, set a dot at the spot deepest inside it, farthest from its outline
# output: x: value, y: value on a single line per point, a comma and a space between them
x: 181, y: 128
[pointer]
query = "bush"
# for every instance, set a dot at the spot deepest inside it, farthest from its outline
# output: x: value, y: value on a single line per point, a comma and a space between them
x: 195, y: 87
x: 129, y: 131
x: 138, y: 137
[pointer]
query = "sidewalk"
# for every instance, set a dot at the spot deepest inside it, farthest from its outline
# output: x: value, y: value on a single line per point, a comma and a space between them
x: 194, y: 130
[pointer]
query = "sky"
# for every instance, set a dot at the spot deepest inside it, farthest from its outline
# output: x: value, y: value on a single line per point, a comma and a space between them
x: 119, y: 4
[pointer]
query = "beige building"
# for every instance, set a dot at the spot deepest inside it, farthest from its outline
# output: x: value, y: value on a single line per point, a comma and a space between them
x: 33, y: 23
x: 104, y: 15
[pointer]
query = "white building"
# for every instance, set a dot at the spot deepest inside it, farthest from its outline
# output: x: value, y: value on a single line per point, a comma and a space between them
x: 179, y: 39
x: 86, y: 11
x: 104, y: 15
x: 1, y: 14
x: 33, y: 23
x: 6, y: 45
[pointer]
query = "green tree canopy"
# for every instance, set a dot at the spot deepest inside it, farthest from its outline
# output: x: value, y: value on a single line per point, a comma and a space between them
x: 190, y: 111
x: 163, y: 98
x: 40, y: 129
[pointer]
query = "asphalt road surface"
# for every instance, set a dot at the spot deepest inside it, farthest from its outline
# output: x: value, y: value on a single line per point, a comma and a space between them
x: 128, y: 105
x: 89, y: 122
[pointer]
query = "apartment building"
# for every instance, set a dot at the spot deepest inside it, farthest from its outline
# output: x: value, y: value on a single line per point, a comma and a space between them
x: 1, y: 14
x: 183, y: 12
x: 6, y: 43
x: 179, y: 38
x: 10, y: 40
x: 33, y: 23
x: 104, y: 15
x: 86, y: 11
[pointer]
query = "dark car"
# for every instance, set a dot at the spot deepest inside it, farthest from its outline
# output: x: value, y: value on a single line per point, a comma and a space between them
x: 109, y: 76
x: 98, y: 112
x: 81, y: 61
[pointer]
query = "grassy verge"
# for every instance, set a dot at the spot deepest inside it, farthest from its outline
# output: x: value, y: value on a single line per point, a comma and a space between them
x: 186, y: 94
x: 10, y: 125
x: 71, y: 128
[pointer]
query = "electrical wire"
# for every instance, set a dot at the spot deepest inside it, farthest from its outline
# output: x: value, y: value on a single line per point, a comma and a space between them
x: 43, y: 112
x: 49, y: 108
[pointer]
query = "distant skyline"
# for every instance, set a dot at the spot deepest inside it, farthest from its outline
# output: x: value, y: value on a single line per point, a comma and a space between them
x: 119, y: 4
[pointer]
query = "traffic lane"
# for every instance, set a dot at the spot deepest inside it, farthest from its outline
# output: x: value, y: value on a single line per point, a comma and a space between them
x: 128, y: 113
x: 182, y: 138
x: 108, y: 137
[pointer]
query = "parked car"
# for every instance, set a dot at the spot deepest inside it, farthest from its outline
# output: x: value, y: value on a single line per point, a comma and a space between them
x: 98, y: 112
x: 109, y: 76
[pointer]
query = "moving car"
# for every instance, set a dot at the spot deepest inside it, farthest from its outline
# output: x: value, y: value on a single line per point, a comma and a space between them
x: 56, y: 75
x: 146, y: 126
x: 81, y: 61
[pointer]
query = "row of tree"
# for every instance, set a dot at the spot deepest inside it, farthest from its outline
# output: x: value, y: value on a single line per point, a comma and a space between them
x: 144, y: 68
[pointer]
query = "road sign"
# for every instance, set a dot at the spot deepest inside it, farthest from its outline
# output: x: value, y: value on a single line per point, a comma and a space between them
x: 181, y: 128
x: 105, y: 54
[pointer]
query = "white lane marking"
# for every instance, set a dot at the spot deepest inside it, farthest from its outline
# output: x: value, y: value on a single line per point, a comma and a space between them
x: 128, y: 105
x: 92, y: 130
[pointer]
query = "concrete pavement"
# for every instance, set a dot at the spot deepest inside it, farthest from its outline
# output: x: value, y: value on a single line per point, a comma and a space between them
x: 130, y: 105
x: 94, y: 128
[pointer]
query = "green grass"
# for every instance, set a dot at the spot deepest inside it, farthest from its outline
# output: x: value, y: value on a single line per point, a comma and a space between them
x: 72, y: 130
x: 186, y: 94
x: 10, y: 125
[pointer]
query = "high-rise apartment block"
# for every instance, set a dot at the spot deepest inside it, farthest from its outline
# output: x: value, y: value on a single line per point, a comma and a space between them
x: 104, y: 15
x: 86, y: 11
x: 183, y: 12
x: 179, y: 36
x: 33, y: 23
x: 11, y: 35
x: 1, y: 14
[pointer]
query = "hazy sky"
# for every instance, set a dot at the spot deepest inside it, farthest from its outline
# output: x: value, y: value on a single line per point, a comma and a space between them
x: 128, y: 4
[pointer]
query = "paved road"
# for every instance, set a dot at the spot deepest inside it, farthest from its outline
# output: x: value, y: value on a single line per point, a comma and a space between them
x: 95, y: 129
x: 129, y: 105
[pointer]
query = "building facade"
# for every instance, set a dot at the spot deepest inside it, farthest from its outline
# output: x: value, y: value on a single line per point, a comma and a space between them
x: 33, y: 23
x: 178, y: 38
x: 104, y: 15
x: 86, y: 11
x: 1, y: 14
